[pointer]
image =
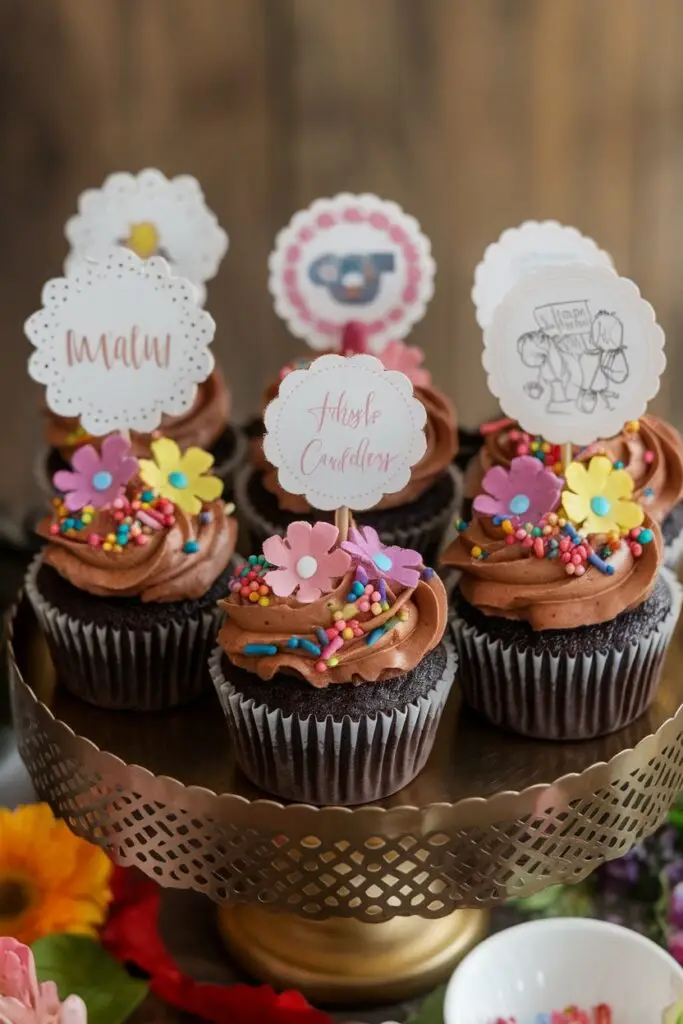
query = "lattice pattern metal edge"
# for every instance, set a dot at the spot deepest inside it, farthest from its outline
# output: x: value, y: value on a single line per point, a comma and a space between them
x: 195, y: 839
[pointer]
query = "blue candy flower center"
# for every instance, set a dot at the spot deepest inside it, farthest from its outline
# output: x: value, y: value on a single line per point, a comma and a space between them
x: 382, y: 561
x: 177, y: 479
x: 600, y: 505
x: 102, y: 480
x: 519, y: 504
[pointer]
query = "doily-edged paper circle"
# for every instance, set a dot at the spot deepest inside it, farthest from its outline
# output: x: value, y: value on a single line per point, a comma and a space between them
x: 534, y: 245
x: 344, y: 432
x: 189, y: 235
x: 351, y: 258
x: 120, y: 342
x: 573, y: 353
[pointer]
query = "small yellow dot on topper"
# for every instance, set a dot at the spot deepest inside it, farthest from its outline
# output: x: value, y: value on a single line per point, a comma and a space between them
x: 143, y: 240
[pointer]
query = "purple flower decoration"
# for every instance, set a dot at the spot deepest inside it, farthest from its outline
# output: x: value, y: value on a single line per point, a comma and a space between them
x: 96, y: 479
x: 527, y: 491
x: 402, y: 565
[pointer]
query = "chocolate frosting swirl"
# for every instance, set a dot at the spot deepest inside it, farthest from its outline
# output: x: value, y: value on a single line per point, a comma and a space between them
x: 397, y: 651
x: 662, y: 473
x: 201, y: 426
x: 513, y: 584
x: 442, y: 446
x: 159, y: 570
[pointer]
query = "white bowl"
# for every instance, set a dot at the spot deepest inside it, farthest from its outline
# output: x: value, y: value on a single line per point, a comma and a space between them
x: 551, y: 964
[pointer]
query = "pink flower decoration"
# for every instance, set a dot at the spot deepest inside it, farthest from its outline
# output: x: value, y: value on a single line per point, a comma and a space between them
x: 402, y: 565
x: 304, y: 561
x: 23, y: 1000
x: 407, y: 359
x: 96, y: 479
x: 527, y: 491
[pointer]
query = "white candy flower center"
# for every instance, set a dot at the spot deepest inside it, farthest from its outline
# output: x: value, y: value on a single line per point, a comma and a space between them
x: 306, y: 567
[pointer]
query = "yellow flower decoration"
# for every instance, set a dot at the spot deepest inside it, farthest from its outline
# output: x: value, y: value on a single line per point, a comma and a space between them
x: 50, y: 880
x: 143, y: 240
x: 180, y: 477
x: 599, y: 497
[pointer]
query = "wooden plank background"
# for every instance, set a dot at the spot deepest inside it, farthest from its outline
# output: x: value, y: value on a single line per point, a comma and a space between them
x: 473, y: 114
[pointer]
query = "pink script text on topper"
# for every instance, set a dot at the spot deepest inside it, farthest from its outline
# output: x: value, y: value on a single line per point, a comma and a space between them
x: 337, y: 410
x: 132, y: 350
x: 344, y: 432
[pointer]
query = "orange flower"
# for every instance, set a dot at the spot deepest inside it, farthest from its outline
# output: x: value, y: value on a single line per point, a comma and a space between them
x: 50, y: 881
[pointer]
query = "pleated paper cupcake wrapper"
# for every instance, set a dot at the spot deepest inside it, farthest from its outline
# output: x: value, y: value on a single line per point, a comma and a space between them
x: 332, y: 761
x: 427, y: 536
x: 125, y: 669
x: 560, y: 697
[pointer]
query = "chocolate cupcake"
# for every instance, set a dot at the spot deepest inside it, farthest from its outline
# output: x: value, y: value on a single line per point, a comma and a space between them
x: 561, y: 634
x: 126, y: 588
x: 650, y: 449
x: 332, y: 666
x: 419, y: 516
x: 205, y: 426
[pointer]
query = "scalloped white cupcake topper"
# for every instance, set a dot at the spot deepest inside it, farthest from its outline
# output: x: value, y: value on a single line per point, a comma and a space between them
x: 573, y: 353
x: 352, y: 258
x: 120, y: 342
x: 344, y: 432
x: 523, y: 250
x: 154, y: 216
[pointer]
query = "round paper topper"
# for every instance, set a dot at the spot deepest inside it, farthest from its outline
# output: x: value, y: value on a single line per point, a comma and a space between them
x: 519, y: 251
x: 345, y: 431
x: 573, y: 353
x: 153, y: 216
x: 120, y: 342
x: 351, y: 258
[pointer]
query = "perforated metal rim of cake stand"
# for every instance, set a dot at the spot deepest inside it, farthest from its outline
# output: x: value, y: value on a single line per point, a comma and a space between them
x: 372, y: 863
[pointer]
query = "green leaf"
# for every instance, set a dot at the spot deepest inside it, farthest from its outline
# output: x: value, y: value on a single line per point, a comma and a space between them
x: 431, y: 1011
x: 80, y: 966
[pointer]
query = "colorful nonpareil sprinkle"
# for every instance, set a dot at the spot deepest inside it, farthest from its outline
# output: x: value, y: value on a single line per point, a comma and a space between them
x: 538, y: 448
x: 248, y: 581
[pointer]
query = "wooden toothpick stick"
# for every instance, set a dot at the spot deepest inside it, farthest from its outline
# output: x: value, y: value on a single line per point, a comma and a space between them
x: 341, y: 521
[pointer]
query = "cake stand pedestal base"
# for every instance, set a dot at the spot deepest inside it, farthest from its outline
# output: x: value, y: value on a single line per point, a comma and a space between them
x: 344, y: 961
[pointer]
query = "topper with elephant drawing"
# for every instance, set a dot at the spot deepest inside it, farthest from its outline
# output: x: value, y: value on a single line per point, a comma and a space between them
x: 573, y: 353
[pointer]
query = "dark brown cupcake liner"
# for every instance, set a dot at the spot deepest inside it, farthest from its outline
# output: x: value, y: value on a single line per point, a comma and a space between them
x: 227, y: 469
x: 121, y: 669
x: 563, y: 697
x: 428, y: 535
x: 332, y: 761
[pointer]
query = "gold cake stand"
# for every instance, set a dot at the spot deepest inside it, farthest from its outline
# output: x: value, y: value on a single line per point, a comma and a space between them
x: 375, y: 902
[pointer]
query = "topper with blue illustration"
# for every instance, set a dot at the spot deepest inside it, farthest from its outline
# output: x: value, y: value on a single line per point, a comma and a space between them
x: 353, y: 279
